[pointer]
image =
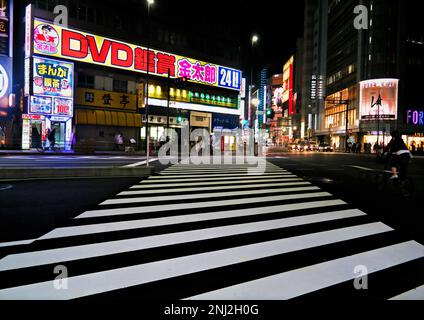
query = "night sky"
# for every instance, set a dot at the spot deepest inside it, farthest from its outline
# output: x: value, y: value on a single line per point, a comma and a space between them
x: 278, y: 24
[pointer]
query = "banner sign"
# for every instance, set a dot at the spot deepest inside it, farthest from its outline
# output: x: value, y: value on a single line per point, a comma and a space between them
x: 60, y: 42
x: 107, y: 99
x: 63, y: 107
x: 378, y: 99
x: 52, y: 78
x: 40, y: 105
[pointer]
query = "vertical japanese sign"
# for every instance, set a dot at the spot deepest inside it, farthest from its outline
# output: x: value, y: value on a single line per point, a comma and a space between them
x: 6, y: 46
x: 288, y: 74
x: 5, y: 32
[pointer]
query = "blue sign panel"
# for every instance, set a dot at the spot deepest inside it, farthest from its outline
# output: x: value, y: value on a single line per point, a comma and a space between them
x: 225, y: 121
x: 229, y: 78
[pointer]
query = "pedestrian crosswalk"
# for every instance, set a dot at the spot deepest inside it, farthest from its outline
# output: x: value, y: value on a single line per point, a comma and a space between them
x: 226, y: 232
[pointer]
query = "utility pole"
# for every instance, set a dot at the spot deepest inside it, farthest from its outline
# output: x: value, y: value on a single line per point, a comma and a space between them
x: 167, y: 104
x: 347, y: 125
x: 149, y: 2
x: 378, y: 104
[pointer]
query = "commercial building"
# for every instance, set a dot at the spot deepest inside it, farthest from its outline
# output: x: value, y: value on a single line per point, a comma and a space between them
x: 371, y: 73
x: 88, y: 79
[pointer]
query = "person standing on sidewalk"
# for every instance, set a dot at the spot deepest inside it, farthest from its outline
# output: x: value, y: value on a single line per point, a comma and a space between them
x: 52, y: 139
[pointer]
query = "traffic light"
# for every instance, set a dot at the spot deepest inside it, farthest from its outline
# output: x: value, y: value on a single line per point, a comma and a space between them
x: 181, y: 83
x: 270, y: 113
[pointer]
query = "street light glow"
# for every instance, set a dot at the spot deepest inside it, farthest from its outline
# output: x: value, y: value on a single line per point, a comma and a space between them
x: 255, y: 39
x: 150, y: 2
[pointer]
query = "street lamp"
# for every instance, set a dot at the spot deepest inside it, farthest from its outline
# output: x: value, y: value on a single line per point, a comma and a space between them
x: 254, y: 40
x: 149, y: 3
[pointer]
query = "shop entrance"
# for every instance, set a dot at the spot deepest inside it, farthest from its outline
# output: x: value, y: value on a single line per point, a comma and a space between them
x: 59, y: 128
x: 36, y: 134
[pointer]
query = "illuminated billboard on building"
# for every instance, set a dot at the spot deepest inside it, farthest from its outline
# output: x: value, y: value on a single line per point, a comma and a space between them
x: 52, y: 78
x: 378, y: 99
x: 79, y: 46
x: 288, y: 84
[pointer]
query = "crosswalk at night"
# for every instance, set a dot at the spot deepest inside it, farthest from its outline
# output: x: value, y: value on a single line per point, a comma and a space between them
x: 217, y: 232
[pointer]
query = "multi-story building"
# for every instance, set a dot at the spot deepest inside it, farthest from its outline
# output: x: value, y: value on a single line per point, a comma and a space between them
x: 371, y: 73
x: 104, y: 47
x: 275, y: 124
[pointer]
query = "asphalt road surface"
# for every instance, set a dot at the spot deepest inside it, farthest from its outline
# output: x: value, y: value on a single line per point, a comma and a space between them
x: 300, y: 230
x: 67, y: 161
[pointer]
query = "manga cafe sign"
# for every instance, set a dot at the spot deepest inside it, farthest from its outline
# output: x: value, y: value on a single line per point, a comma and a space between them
x: 52, y: 78
x: 79, y: 46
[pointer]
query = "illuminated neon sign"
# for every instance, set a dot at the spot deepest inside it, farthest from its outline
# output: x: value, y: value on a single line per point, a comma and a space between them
x: 4, y: 81
x: 288, y: 75
x: 52, y: 78
x: 415, y: 117
x: 79, y: 46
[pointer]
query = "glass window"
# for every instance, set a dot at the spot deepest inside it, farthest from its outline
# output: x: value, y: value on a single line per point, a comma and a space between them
x: 120, y: 85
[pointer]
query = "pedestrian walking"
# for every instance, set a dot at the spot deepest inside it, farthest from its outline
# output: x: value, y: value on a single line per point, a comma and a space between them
x: 52, y: 139
x: 119, y: 141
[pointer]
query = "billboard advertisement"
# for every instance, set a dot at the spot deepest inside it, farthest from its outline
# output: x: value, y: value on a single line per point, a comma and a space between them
x: 63, y: 107
x: 288, y: 83
x: 52, y: 78
x: 40, y: 105
x: 378, y: 99
x: 56, y: 41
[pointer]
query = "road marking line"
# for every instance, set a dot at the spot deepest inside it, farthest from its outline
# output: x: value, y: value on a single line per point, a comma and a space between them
x: 362, y: 168
x: 181, y: 219
x: 196, y: 205
x: 42, y: 257
x: 138, y: 163
x: 206, y: 195
x: 185, y: 172
x: 143, y: 185
x: 231, y: 187
x: 16, y: 243
x: 414, y: 294
x: 233, y: 179
x: 241, y: 175
x: 301, y: 281
x: 104, y: 281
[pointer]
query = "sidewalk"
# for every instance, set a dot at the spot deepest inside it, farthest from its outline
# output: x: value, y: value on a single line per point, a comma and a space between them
x: 4, y: 152
x: 277, y: 152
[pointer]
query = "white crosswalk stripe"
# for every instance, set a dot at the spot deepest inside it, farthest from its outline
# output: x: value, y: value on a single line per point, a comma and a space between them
x: 191, y: 222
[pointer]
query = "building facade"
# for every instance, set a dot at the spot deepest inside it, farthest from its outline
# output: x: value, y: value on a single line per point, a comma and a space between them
x: 371, y: 74
x: 103, y: 60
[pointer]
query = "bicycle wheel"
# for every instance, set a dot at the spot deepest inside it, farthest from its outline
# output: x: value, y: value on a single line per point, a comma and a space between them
x: 381, y: 181
x: 407, y: 187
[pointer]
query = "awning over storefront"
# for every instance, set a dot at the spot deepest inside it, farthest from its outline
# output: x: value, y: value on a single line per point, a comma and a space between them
x: 108, y: 118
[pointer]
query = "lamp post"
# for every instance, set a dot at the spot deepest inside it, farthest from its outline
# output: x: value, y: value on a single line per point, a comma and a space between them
x: 378, y: 104
x: 254, y: 40
x: 149, y: 3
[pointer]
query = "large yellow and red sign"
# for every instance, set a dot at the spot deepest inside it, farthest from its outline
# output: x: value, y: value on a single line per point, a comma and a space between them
x: 288, y: 74
x: 60, y: 42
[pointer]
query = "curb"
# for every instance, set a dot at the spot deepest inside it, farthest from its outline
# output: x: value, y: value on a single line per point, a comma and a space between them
x: 31, y: 173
